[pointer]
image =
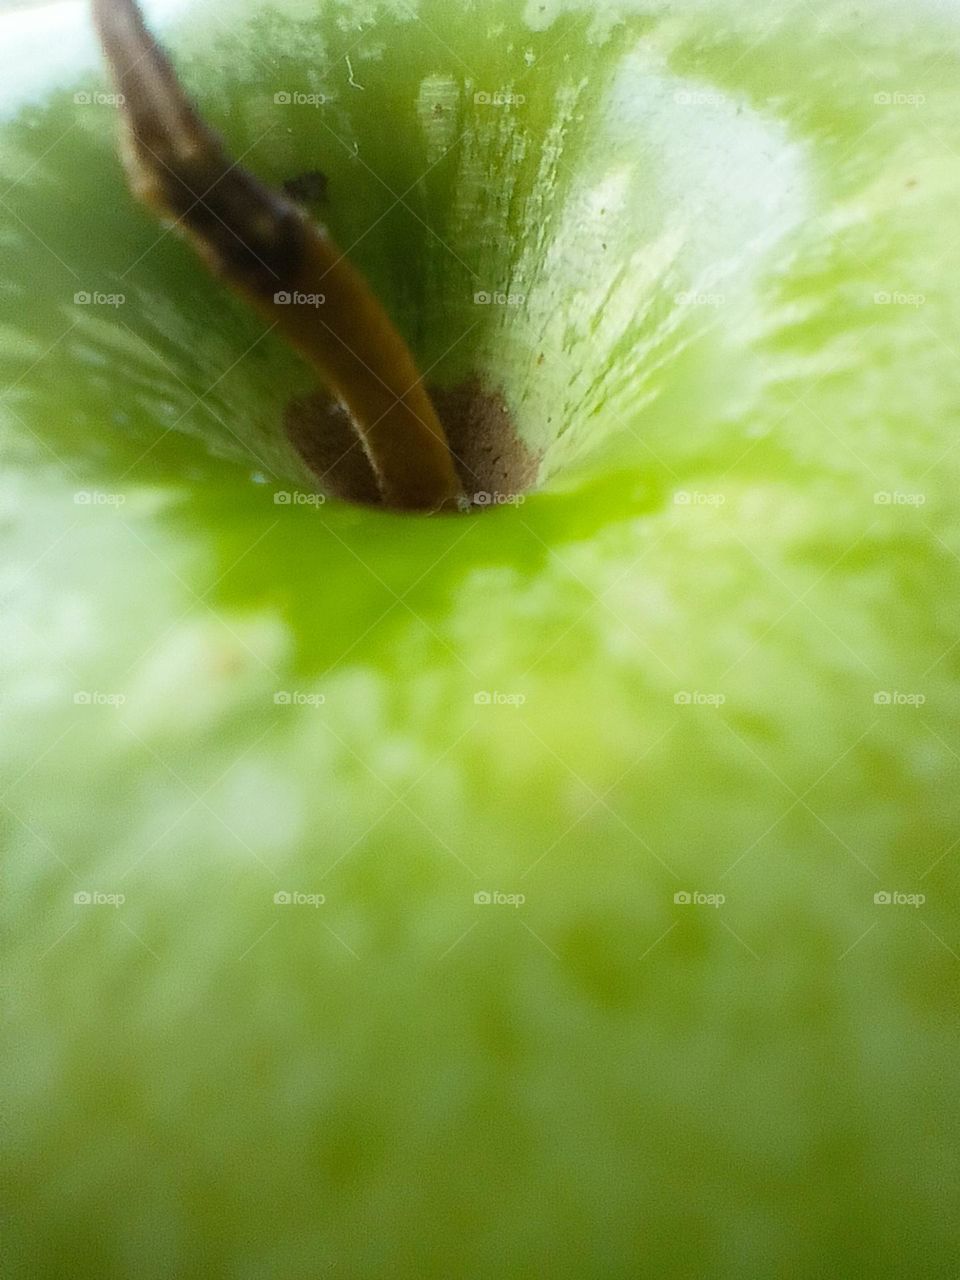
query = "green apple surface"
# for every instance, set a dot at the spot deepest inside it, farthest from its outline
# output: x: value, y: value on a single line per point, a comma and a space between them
x: 564, y: 890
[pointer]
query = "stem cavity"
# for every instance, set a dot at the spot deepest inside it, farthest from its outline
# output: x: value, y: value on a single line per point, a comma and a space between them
x: 266, y: 248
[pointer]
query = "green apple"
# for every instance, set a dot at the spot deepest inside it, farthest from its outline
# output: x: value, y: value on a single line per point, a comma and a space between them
x: 566, y: 889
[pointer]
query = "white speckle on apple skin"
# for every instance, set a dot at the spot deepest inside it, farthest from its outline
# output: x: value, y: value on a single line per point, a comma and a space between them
x: 438, y: 107
x: 607, y: 266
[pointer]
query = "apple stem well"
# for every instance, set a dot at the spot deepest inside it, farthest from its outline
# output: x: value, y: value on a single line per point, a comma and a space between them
x: 268, y: 250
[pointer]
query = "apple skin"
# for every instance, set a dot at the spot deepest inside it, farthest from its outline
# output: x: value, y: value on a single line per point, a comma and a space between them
x: 600, y: 1082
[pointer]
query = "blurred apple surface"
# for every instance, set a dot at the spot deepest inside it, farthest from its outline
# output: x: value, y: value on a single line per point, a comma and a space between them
x: 564, y: 889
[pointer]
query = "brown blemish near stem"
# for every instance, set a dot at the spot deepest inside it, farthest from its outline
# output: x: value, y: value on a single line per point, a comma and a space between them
x: 491, y: 460
x: 308, y: 188
x: 266, y: 248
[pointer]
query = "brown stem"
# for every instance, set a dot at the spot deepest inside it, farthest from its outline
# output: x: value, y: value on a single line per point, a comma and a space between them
x: 265, y: 247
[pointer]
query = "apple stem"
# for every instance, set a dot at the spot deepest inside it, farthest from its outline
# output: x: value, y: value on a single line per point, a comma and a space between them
x: 268, y: 250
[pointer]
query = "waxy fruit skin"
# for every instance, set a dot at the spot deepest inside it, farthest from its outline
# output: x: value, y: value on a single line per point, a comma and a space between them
x: 569, y: 889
